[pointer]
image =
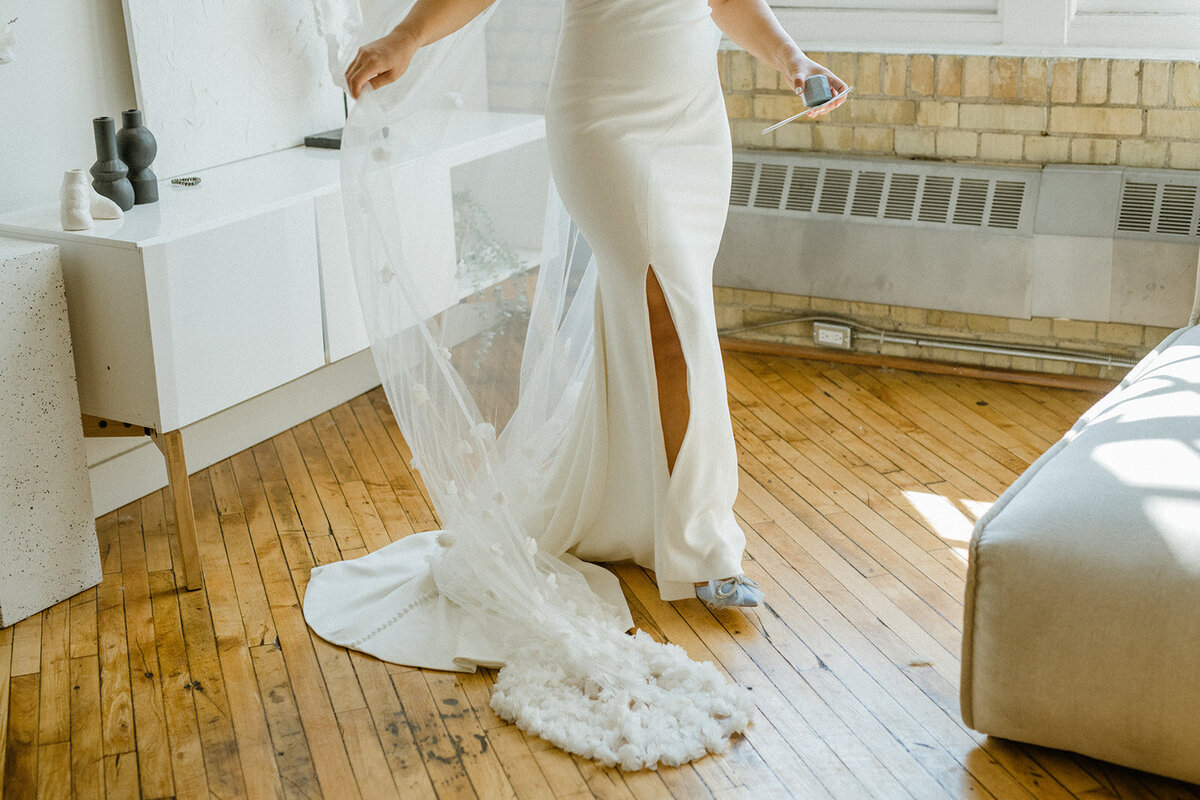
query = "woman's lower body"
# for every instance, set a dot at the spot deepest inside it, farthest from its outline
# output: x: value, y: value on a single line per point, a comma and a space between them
x: 641, y: 156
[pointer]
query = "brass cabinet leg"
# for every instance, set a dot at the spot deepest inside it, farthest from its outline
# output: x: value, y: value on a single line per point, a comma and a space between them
x: 171, y: 444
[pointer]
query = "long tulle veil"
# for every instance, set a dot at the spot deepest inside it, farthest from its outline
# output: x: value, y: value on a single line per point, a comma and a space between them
x: 482, y: 331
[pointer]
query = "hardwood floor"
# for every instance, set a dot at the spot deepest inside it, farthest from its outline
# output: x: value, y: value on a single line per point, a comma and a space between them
x: 859, y: 488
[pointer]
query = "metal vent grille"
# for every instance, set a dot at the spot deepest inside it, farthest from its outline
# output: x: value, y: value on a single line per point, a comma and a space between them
x: 743, y: 181
x: 1164, y: 209
x: 936, y: 200
x: 1177, y: 210
x: 913, y: 194
x: 834, y: 191
x: 972, y: 200
x: 803, y: 189
x: 902, y: 196
x: 771, y: 178
x: 867, y: 194
x: 1006, y: 205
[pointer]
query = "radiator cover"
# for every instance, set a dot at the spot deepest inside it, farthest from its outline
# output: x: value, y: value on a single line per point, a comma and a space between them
x: 1094, y: 243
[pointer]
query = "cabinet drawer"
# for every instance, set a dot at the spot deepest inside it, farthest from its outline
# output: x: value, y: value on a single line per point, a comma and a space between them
x: 234, y: 311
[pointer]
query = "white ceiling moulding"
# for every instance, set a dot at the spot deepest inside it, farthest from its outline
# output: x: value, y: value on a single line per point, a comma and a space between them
x: 1167, y: 29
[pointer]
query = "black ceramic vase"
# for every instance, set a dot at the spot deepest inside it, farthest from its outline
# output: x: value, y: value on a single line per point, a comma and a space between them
x: 137, y: 148
x: 109, y: 173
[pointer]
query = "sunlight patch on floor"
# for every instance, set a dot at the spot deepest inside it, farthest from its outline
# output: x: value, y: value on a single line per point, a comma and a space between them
x: 951, y: 520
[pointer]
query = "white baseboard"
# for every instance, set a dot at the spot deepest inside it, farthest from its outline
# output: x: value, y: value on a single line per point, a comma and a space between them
x: 124, y: 470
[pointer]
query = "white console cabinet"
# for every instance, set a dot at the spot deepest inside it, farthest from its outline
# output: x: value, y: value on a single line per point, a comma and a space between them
x: 225, y: 290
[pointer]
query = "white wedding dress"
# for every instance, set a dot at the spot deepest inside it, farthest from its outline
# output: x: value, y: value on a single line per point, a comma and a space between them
x: 535, y: 425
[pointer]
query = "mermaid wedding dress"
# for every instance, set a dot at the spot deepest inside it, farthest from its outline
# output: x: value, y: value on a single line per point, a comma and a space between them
x: 534, y: 423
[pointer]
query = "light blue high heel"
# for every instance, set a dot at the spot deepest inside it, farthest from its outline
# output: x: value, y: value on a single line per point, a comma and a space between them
x: 738, y: 591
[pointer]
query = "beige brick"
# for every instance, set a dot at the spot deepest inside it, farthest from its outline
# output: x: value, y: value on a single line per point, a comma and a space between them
x: 1140, y: 153
x: 748, y: 133
x: 875, y: 311
x: 915, y: 142
x: 1023, y: 364
x: 1164, y: 124
x: 949, y: 76
x: 937, y: 114
x: 741, y: 71
x: 1093, y: 151
x: 790, y: 302
x: 976, y: 76
x: 767, y: 78
x: 1116, y: 333
x: 1005, y: 77
x: 883, y: 112
x: 729, y: 318
x: 1123, y: 83
x: 1047, y: 149
x: 844, y: 65
x: 1093, y: 81
x: 985, y: 323
x: 1001, y: 146
x: 752, y: 298
x: 1106, y: 121
x: 824, y: 305
x: 1035, y: 80
x: 739, y: 106
x: 818, y: 56
x: 906, y: 315
x: 873, y: 139
x: 957, y: 144
x: 951, y: 320
x: 1054, y: 367
x: 997, y: 361
x: 1074, y: 330
x: 920, y: 74
x: 895, y: 75
x: 1185, y: 155
x: 1035, y: 328
x: 869, y: 79
x: 1064, y: 81
x: 832, y: 138
x: 1154, y: 335
x: 776, y: 106
x: 1185, y: 84
x: 723, y: 294
x: 760, y: 316
x: 1156, y: 82
x: 1086, y: 371
x: 794, y: 137
x: 1002, y: 117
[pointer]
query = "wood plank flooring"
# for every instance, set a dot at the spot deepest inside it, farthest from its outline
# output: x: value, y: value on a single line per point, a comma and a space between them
x: 859, y: 488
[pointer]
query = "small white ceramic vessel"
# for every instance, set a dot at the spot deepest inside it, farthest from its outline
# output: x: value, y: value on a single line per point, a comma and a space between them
x: 104, y: 208
x: 75, y: 210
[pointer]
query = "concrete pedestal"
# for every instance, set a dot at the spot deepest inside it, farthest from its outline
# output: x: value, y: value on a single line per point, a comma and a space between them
x: 48, y: 546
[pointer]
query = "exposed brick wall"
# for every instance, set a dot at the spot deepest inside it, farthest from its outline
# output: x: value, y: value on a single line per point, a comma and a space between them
x: 974, y: 109
x: 737, y: 308
x: 991, y: 109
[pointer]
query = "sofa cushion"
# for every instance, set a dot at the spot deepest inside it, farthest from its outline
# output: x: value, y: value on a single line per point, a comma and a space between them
x: 1082, y: 617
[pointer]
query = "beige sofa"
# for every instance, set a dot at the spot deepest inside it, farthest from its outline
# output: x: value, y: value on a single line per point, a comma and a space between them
x: 1082, y: 615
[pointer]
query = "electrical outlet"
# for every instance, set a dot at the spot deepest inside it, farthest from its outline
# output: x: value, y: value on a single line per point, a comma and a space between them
x: 827, y: 335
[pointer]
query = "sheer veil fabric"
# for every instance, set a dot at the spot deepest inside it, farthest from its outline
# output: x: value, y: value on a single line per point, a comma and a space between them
x: 484, y: 334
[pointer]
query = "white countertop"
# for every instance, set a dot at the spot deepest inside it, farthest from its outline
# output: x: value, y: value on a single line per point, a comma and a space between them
x: 256, y: 185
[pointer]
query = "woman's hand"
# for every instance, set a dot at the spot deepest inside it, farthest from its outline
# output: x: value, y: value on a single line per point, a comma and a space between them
x: 382, y: 61
x: 798, y: 68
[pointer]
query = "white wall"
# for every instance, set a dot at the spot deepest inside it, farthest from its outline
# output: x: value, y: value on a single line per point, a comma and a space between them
x: 1164, y: 29
x: 72, y: 64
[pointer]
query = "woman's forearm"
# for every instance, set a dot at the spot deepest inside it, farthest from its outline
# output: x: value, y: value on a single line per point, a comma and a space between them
x: 430, y: 20
x: 753, y: 27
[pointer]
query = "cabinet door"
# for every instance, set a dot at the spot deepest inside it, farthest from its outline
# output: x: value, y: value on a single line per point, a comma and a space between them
x: 234, y: 311
x: 345, y: 332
